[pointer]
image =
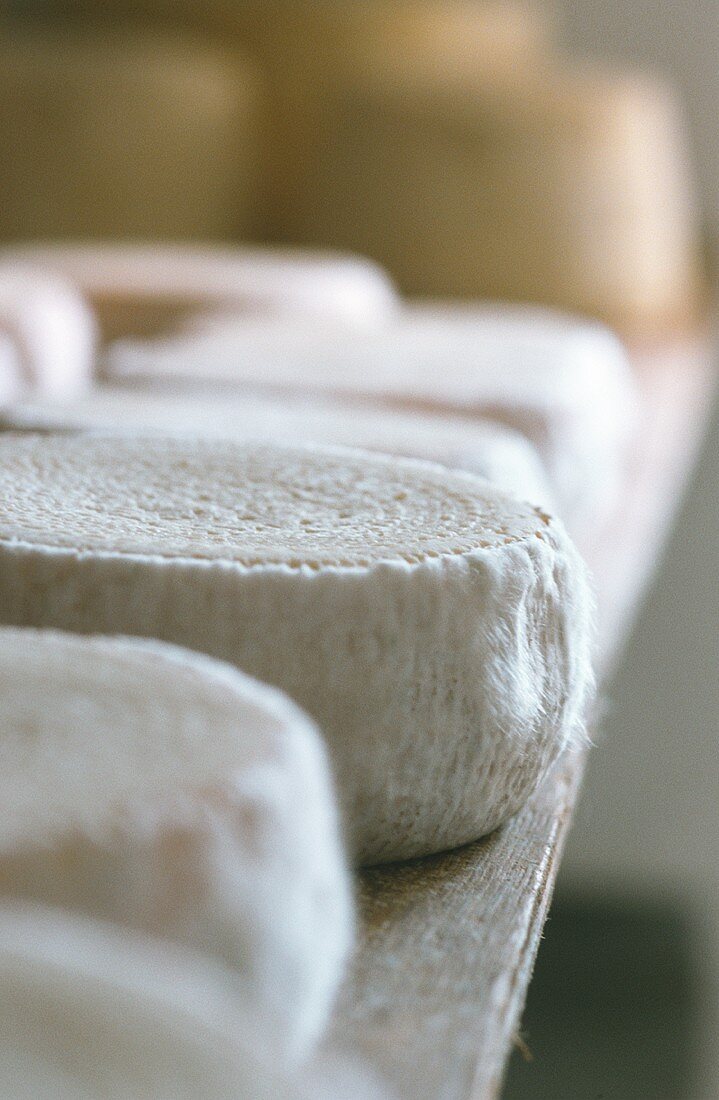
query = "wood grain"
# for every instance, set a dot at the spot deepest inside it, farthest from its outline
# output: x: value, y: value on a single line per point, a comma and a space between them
x: 447, y: 944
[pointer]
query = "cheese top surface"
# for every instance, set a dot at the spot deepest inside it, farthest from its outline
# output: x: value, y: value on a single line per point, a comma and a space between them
x: 252, y: 505
x: 484, y: 447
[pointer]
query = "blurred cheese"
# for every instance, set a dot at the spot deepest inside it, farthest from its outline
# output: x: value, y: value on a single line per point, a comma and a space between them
x: 564, y: 383
x: 47, y: 337
x: 12, y: 381
x: 156, y: 788
x: 89, y: 1010
x: 484, y: 447
x: 125, y: 135
x: 139, y: 289
x: 568, y: 188
x: 317, y: 37
x: 307, y: 46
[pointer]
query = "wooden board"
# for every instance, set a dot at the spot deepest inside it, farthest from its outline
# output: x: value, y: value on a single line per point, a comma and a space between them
x: 447, y: 944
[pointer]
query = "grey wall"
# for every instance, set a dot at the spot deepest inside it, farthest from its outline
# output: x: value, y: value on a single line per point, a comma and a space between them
x: 648, y: 821
x: 651, y: 804
x: 650, y: 808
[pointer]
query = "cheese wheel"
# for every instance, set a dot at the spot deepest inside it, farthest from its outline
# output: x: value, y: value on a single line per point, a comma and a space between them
x: 437, y: 629
x: 168, y: 792
x: 564, y: 383
x: 308, y: 47
x: 483, y: 447
x: 324, y: 35
x: 120, y: 134
x: 142, y: 288
x: 89, y: 1009
x: 48, y: 337
x: 565, y: 187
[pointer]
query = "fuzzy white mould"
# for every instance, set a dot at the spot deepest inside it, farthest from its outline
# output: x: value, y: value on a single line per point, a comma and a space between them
x: 170, y: 793
x: 89, y: 1009
x: 332, y: 285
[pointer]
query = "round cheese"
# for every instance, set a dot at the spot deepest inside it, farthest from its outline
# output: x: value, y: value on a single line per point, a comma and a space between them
x: 160, y: 789
x: 484, y: 447
x: 11, y: 375
x: 437, y: 629
x: 458, y: 34
x: 120, y: 134
x: 142, y: 288
x: 564, y: 383
x: 568, y: 187
x: 47, y: 337
x: 306, y: 48
x: 88, y: 1010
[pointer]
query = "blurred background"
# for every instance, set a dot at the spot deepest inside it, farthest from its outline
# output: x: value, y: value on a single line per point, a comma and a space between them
x: 565, y: 153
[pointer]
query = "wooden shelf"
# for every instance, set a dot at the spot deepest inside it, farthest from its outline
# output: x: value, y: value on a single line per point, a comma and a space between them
x: 447, y: 944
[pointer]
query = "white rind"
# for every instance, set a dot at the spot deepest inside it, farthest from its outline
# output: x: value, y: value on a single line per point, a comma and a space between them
x: 167, y: 792
x: 329, y: 285
x: 52, y: 334
x: 91, y: 1010
x: 564, y: 383
x: 483, y: 447
x: 446, y: 682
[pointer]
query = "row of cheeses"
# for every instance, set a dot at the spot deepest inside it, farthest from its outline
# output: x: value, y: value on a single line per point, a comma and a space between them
x: 350, y: 363
x: 238, y: 659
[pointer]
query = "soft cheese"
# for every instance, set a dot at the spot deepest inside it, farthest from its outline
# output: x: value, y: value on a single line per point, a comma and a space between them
x: 47, y: 337
x: 437, y: 629
x: 165, y: 791
x: 125, y: 133
x: 141, y: 288
x: 89, y: 1009
x: 566, y: 185
x: 564, y: 383
x: 484, y: 447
